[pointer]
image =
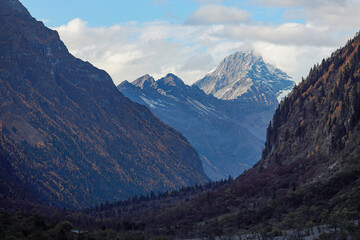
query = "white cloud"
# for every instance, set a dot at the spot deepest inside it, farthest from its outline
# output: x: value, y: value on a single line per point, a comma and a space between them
x: 340, y: 15
x: 130, y: 50
x: 198, y: 62
x: 218, y: 14
x: 296, y: 60
x: 286, y: 34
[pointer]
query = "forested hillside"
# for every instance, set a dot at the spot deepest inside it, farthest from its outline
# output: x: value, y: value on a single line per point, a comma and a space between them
x: 68, y: 137
x: 309, y: 173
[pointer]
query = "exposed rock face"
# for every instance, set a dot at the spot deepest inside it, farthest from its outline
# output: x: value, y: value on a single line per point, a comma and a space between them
x: 309, y: 173
x: 228, y: 130
x: 228, y: 135
x: 68, y: 134
x: 245, y: 76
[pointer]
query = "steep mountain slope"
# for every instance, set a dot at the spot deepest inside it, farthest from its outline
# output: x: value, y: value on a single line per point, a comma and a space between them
x: 67, y: 133
x: 245, y: 76
x: 309, y: 173
x: 228, y: 135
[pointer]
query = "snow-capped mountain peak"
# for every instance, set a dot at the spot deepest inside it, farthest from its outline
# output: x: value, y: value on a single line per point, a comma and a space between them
x: 220, y: 130
x: 246, y: 77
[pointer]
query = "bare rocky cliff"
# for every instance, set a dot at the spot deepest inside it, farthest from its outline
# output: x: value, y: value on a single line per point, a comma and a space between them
x: 244, y: 76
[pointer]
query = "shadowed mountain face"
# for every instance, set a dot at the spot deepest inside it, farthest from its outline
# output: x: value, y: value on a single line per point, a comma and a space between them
x: 244, y: 76
x: 227, y: 127
x: 67, y: 133
x: 228, y: 135
x: 309, y: 173
x: 319, y: 120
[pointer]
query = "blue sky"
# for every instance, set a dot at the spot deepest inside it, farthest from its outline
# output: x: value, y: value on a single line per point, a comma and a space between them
x: 189, y: 37
x: 110, y: 12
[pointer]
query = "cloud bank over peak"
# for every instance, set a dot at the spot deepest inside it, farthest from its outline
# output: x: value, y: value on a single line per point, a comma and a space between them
x: 308, y: 32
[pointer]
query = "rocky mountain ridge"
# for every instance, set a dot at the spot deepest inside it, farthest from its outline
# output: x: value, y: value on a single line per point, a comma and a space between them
x: 244, y: 76
x: 228, y: 135
x: 308, y: 175
x: 67, y: 134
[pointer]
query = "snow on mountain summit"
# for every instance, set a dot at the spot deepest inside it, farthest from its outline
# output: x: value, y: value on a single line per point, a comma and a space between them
x: 245, y: 76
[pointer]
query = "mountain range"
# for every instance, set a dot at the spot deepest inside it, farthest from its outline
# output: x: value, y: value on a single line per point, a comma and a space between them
x: 244, y: 76
x: 68, y: 137
x: 228, y: 134
x: 308, y: 177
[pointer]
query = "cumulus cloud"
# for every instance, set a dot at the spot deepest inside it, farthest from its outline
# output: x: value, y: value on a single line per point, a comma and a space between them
x: 295, y: 60
x: 218, y: 14
x: 129, y: 50
x: 285, y: 34
x: 340, y: 15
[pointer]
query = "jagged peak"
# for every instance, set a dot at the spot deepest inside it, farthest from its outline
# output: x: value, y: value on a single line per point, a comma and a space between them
x: 144, y: 81
x: 249, y: 54
x: 240, y: 61
x: 244, y: 73
x: 171, y: 80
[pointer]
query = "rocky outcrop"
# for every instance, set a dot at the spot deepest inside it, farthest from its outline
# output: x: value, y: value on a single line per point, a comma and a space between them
x: 244, y: 76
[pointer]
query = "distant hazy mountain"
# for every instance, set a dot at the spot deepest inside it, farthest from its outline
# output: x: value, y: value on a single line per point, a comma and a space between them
x: 67, y: 135
x: 228, y: 135
x: 245, y: 76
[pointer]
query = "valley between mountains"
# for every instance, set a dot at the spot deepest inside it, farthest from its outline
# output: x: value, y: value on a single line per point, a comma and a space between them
x: 243, y: 153
x: 228, y: 133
